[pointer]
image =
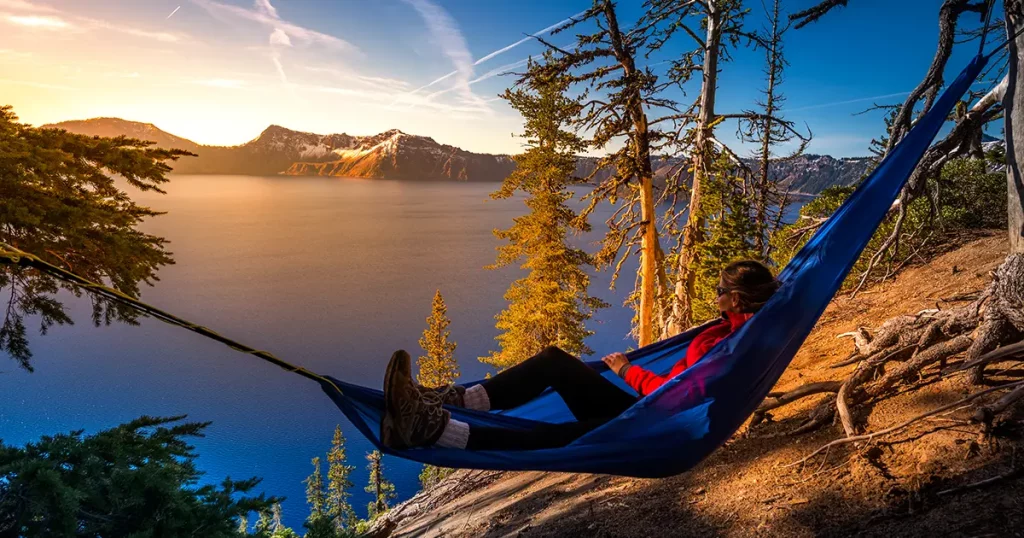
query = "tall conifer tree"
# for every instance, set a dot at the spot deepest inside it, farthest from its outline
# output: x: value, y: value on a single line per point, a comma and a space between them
x: 620, y: 93
x: 338, y: 483
x: 438, y: 367
x: 551, y: 304
x: 383, y: 491
x: 317, y: 524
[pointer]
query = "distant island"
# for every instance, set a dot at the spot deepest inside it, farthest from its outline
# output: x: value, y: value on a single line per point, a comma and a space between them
x: 397, y: 155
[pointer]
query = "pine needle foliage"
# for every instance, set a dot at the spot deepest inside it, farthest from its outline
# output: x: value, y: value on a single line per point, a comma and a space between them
x: 431, y: 475
x: 620, y: 90
x: 339, y: 481
x: 381, y: 488
x: 59, y: 200
x: 973, y: 198
x: 316, y: 498
x: 438, y: 367
x: 551, y: 304
x: 137, y: 479
x: 730, y: 235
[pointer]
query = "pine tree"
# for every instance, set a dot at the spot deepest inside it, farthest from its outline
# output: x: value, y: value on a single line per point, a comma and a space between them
x: 315, y: 491
x: 430, y: 475
x: 730, y: 235
x: 551, y: 304
x: 317, y: 524
x: 621, y: 93
x: 382, y: 490
x: 767, y: 128
x: 438, y: 367
x: 338, y: 509
x: 243, y: 525
x: 59, y: 200
x: 264, y: 525
x: 140, y: 477
x: 716, y: 27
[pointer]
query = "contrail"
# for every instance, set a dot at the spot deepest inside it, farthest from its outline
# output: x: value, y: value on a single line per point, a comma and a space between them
x: 862, y: 99
x: 490, y: 55
x: 173, y: 12
x: 848, y: 102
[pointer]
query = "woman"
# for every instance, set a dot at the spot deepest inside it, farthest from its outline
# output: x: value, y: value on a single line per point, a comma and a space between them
x: 414, y: 415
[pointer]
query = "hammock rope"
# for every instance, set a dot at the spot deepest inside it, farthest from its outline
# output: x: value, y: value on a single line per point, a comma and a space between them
x: 10, y: 255
x: 675, y: 427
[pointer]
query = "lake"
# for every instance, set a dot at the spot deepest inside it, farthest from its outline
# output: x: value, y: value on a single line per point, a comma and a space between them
x: 333, y: 274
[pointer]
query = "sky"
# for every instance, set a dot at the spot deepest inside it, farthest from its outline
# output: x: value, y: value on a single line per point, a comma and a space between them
x: 221, y: 71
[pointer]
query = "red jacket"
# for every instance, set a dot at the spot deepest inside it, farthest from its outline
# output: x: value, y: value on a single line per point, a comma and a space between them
x: 646, y: 382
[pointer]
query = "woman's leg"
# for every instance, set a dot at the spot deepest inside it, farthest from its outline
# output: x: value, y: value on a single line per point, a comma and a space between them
x: 587, y: 394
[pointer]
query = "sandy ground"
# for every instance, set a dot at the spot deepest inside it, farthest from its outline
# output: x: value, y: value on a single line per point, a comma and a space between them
x: 743, y: 489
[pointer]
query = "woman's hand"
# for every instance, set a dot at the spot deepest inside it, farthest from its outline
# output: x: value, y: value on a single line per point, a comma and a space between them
x: 616, y: 362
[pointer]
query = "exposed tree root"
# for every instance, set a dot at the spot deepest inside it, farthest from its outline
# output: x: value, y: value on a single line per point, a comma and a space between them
x: 897, y: 357
x: 778, y: 400
x: 904, y: 424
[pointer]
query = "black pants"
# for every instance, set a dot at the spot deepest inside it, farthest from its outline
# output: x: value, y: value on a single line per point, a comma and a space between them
x: 592, y: 399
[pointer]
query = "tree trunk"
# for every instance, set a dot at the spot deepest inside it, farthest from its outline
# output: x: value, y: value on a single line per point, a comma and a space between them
x: 761, y: 204
x: 693, y: 233
x: 1013, y: 102
x: 649, y: 243
x: 641, y: 140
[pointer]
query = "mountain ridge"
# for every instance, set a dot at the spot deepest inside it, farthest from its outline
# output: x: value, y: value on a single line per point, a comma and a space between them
x: 394, y: 154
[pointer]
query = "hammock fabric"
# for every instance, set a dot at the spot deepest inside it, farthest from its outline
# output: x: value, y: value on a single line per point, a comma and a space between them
x: 674, y: 428
x: 678, y: 425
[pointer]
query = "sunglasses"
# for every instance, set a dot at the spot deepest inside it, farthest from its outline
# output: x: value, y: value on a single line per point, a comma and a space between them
x: 722, y: 291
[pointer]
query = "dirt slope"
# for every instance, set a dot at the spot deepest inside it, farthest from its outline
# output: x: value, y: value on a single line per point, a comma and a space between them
x: 743, y: 488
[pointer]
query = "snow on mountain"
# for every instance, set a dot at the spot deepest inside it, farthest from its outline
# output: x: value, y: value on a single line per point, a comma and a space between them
x: 394, y: 154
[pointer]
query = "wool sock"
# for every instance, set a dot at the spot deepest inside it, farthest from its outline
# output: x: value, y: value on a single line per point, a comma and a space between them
x: 455, y: 435
x: 476, y: 398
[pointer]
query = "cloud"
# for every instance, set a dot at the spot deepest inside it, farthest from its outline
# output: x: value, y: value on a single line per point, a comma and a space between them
x: 267, y: 9
x: 280, y: 38
x: 499, y: 70
x: 489, y: 56
x: 846, y: 102
x: 488, y: 75
x: 527, y: 38
x: 283, y: 33
x: 266, y: 15
x: 164, y: 37
x: 381, y: 83
x: 45, y: 22
x: 383, y: 99
x: 225, y: 83
x: 173, y: 12
x: 57, y: 20
x: 446, y: 32
x: 8, y: 53
x: 23, y: 5
x: 40, y: 85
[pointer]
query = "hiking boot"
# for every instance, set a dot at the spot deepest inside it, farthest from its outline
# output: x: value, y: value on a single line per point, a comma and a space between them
x: 412, y: 418
x: 400, y: 365
x: 454, y: 395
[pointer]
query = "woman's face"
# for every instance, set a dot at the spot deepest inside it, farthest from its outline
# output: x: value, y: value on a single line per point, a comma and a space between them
x: 726, y: 301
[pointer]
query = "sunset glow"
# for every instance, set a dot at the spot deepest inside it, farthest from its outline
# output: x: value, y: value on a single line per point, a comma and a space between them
x: 221, y: 71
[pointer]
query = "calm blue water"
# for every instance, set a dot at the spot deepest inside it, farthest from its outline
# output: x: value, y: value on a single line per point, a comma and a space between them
x: 333, y: 274
x: 330, y: 273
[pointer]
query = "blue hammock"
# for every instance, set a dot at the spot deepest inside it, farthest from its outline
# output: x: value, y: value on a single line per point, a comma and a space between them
x: 671, y: 430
